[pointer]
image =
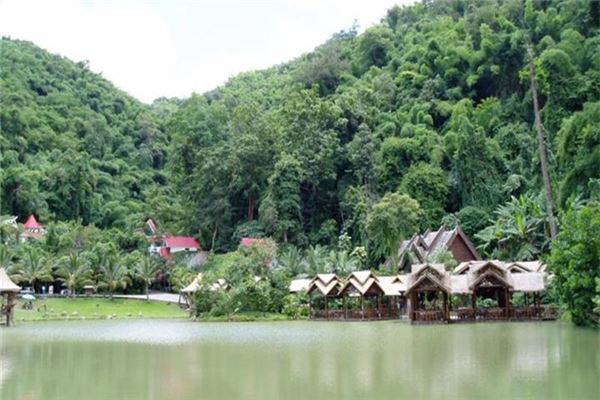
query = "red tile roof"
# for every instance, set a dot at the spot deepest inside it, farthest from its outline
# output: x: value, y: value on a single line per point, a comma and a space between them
x: 187, y: 242
x: 248, y: 241
x: 32, y: 223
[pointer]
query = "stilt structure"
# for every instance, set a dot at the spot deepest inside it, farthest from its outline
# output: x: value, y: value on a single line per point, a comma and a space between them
x: 8, y: 292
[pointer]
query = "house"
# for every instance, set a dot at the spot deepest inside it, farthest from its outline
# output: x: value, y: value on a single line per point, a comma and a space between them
x: 421, y: 247
x: 167, y: 245
x: 248, y: 241
x: 32, y: 229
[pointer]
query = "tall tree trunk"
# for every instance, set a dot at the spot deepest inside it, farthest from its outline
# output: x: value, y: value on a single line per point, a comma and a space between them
x: 214, y: 238
x: 541, y: 145
x: 250, y: 207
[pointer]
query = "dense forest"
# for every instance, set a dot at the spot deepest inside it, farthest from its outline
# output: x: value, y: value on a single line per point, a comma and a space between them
x: 424, y: 119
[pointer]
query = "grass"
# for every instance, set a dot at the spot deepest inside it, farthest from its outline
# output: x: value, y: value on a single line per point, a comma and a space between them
x: 246, y: 317
x: 96, y: 308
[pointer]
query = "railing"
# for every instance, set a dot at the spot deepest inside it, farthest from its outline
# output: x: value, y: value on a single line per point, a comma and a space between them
x: 354, y: 314
x: 462, y: 314
x: 491, y: 314
x: 428, y: 316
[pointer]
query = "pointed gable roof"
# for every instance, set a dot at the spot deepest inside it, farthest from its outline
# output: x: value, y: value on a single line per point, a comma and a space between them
x: 325, y: 284
x: 6, y: 284
x: 431, y: 242
x: 32, y: 223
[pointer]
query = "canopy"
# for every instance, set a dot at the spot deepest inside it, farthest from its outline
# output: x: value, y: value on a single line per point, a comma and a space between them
x: 6, y: 284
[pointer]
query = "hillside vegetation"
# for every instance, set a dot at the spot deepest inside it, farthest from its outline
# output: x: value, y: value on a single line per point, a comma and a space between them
x: 424, y: 119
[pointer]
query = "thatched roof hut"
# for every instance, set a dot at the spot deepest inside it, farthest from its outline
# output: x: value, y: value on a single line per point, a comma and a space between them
x: 6, y: 284
x: 362, y: 283
x: 194, y: 286
x: 430, y: 277
x: 325, y: 284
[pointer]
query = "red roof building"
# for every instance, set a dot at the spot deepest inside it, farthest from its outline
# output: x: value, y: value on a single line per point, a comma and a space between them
x: 248, y: 241
x: 32, y: 229
x: 167, y: 245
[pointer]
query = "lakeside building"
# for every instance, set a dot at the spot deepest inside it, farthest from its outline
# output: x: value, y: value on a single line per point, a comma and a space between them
x: 473, y: 291
x: 421, y: 247
x: 32, y: 229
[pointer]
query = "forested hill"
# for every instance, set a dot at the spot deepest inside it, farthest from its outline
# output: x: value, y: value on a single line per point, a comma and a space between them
x: 425, y: 118
x: 73, y: 146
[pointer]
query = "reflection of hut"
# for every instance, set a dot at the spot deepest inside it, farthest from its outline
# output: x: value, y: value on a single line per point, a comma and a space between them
x: 428, y: 290
x: 324, y: 286
x: 8, y: 291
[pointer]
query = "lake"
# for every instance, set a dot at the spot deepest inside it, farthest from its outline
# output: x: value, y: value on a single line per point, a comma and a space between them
x: 177, y: 359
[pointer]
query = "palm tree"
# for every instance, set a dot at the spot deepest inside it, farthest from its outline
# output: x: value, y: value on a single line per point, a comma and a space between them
x: 340, y: 262
x: 291, y: 259
x: 32, y: 269
x: 146, y: 270
x: 316, y: 259
x: 114, y: 274
x: 74, y: 271
x: 5, y: 257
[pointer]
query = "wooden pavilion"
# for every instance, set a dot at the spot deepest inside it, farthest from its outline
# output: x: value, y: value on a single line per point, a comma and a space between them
x: 428, y: 291
x: 326, y: 287
x: 8, y: 292
x: 366, y: 286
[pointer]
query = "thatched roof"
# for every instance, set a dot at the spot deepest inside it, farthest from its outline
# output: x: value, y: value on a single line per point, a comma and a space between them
x: 362, y: 282
x: 325, y: 284
x: 459, y: 284
x: 6, y: 284
x: 528, y: 282
x: 297, y: 285
x: 194, y: 286
x: 393, y: 285
x: 431, y: 242
x: 432, y: 275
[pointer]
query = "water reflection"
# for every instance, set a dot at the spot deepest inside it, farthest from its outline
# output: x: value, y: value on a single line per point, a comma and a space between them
x: 179, y: 360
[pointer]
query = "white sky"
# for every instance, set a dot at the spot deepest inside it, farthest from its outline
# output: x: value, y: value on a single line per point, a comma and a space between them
x: 167, y: 48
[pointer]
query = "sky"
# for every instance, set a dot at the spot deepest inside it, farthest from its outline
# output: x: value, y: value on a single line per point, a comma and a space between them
x: 157, y: 48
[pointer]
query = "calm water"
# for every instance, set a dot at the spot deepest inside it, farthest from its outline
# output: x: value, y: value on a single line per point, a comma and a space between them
x: 155, y: 360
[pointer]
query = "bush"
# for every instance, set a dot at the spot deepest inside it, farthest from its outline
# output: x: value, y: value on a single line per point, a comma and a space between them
x: 295, y: 305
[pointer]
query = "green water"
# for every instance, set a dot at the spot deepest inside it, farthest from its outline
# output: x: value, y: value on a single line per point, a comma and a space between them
x: 155, y: 360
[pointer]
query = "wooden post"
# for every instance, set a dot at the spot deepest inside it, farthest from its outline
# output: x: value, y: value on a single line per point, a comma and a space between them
x: 326, y: 308
x: 345, y: 306
x: 362, y: 307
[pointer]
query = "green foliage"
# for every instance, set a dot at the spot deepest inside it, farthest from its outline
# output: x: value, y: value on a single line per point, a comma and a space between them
x: 520, y: 231
x: 295, y: 305
x: 429, y: 186
x: 395, y: 217
x: 575, y: 259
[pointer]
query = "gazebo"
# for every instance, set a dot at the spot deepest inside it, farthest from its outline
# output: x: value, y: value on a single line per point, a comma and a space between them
x: 364, y: 284
x: 428, y: 291
x: 8, y: 291
x: 326, y: 286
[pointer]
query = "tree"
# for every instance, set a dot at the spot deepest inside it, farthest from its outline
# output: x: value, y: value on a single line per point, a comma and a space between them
x: 115, y: 275
x: 393, y: 218
x: 291, y: 259
x: 281, y: 211
x: 575, y: 259
x: 541, y: 144
x: 429, y: 186
x: 32, y: 268
x: 74, y: 270
x: 146, y: 270
x: 520, y: 231
x: 341, y: 263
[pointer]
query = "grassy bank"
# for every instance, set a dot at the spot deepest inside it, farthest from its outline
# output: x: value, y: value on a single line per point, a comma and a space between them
x: 245, y: 317
x: 96, y: 308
